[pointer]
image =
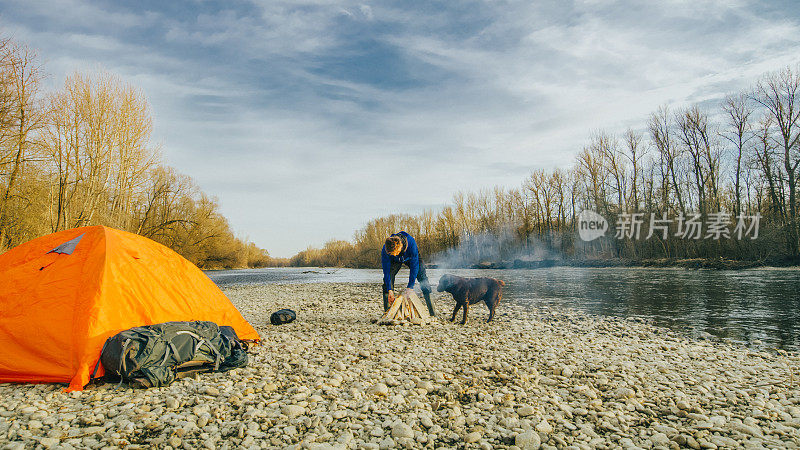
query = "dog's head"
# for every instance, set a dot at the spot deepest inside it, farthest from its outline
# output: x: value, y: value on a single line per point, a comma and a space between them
x: 445, y: 283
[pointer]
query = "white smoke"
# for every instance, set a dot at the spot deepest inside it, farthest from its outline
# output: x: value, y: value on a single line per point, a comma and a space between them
x: 496, y: 248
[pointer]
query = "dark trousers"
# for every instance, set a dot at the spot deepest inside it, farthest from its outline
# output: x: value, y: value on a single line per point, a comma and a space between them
x: 422, y: 277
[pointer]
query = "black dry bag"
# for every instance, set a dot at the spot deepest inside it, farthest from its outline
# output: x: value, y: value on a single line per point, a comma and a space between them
x: 282, y: 316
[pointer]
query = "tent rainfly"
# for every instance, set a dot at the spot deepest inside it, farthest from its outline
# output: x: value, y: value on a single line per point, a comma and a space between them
x: 62, y: 295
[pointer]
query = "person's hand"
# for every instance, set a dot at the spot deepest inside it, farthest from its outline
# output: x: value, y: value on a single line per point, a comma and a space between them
x: 391, y: 297
x: 407, y: 292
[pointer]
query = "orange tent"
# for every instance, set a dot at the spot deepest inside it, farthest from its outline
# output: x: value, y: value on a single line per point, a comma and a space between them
x: 62, y: 295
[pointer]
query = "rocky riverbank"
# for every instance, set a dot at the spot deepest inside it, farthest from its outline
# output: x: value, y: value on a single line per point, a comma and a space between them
x: 538, y: 378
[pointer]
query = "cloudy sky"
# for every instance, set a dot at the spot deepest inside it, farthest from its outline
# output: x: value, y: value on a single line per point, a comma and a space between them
x: 306, y: 119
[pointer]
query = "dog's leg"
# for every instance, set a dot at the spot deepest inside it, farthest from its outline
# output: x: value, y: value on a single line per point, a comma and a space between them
x: 497, y: 302
x: 466, y: 309
x: 497, y: 295
x: 490, y: 305
x: 455, y: 310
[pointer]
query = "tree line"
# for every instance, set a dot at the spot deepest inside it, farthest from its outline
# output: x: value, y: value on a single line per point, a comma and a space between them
x: 83, y: 155
x: 736, y: 163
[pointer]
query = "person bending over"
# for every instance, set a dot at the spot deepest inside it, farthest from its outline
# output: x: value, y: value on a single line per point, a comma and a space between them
x: 400, y: 248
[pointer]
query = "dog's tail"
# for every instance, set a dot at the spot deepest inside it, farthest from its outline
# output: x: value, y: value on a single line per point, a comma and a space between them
x: 502, y: 283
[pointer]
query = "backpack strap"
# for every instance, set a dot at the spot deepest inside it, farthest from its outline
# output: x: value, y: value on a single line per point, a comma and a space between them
x: 200, y: 341
x: 97, y: 366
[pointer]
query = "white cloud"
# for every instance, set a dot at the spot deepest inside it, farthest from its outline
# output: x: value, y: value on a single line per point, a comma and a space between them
x: 366, y: 10
x: 246, y: 101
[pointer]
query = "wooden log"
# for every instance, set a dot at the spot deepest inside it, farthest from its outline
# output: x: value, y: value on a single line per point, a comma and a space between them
x: 403, y: 308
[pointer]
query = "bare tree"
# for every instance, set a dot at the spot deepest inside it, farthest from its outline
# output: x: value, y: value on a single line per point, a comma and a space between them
x: 607, y: 146
x: 739, y: 134
x: 765, y: 159
x: 634, y: 154
x: 669, y: 155
x: 705, y: 159
x: 20, y: 116
x: 98, y: 142
x: 778, y: 93
x: 591, y: 172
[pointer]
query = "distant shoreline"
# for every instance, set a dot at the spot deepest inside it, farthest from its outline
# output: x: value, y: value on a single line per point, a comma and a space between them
x: 688, y: 263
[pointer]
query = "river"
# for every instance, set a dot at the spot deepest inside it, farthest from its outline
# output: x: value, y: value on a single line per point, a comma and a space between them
x: 756, y: 307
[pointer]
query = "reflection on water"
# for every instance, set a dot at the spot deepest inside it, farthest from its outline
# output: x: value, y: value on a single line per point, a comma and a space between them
x: 760, y: 307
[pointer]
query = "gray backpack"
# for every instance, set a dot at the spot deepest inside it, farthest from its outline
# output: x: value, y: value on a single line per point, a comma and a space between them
x: 155, y: 355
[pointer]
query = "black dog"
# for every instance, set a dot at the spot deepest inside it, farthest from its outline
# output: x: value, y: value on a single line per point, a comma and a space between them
x: 468, y: 291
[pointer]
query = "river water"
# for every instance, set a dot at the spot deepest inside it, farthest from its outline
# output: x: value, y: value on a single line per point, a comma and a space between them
x: 756, y: 307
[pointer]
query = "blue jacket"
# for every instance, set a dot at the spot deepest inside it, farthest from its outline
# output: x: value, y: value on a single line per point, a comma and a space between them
x: 409, y: 257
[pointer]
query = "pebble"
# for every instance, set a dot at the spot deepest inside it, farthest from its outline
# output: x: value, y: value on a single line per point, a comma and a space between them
x: 172, y: 402
x: 526, y: 410
x: 379, y: 389
x: 659, y: 439
x: 203, y: 420
x: 475, y: 436
x: 345, y: 437
x: 49, y: 442
x: 723, y: 441
x: 425, y: 384
x: 719, y: 421
x: 292, y: 411
x: 401, y: 430
x: 210, y: 390
x: 544, y: 427
x: 623, y: 393
x: 746, y: 429
x: 528, y: 440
